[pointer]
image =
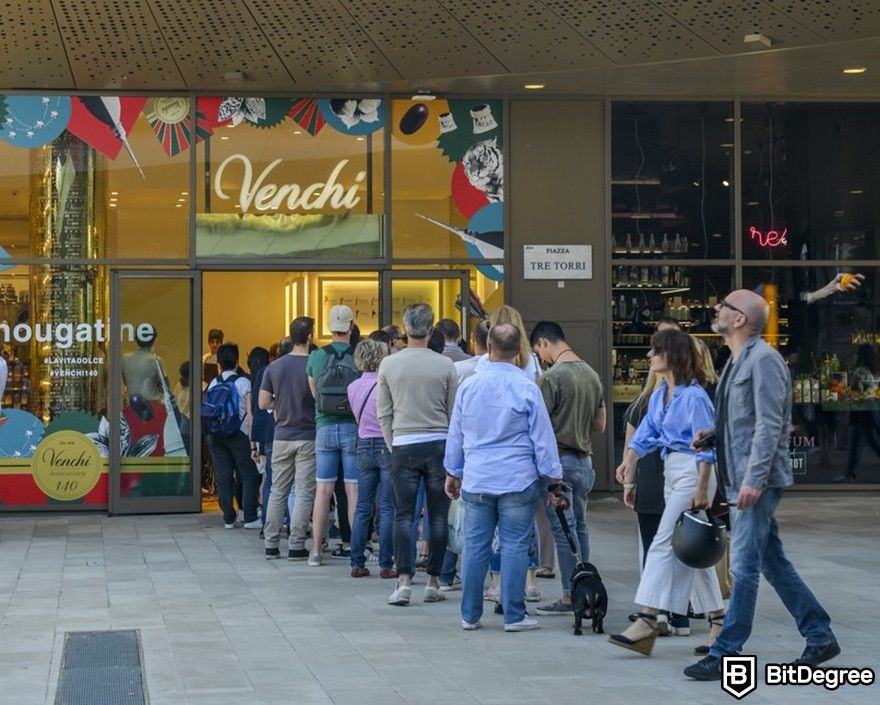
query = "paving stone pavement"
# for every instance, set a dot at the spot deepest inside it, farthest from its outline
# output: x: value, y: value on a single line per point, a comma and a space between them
x: 219, y: 623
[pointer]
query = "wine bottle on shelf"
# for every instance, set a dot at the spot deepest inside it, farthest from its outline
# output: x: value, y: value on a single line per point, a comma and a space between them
x: 621, y: 307
x: 613, y: 242
x: 652, y: 244
x: 676, y: 243
x: 664, y: 245
x: 641, y: 246
x: 684, y: 245
x: 655, y: 276
x: 623, y: 277
x: 664, y: 275
x: 644, y: 277
x: 629, y: 244
x: 634, y: 276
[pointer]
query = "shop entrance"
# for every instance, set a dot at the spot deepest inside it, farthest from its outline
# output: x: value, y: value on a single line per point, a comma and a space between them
x: 254, y: 309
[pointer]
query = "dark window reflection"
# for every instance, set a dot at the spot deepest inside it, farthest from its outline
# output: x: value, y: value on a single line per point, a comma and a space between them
x: 671, y: 176
x: 810, y: 180
x: 831, y: 342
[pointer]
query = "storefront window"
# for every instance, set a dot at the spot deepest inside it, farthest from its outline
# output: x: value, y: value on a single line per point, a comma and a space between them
x: 54, y: 335
x: 291, y: 177
x: 94, y: 176
x: 811, y: 178
x: 672, y: 180
x: 447, y: 174
x: 830, y: 340
x: 641, y: 297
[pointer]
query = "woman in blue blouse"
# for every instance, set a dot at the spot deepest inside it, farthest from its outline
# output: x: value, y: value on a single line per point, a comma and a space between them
x: 676, y: 411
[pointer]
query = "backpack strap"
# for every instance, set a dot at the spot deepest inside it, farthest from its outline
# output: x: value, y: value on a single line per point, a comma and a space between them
x: 338, y: 354
x: 364, y: 405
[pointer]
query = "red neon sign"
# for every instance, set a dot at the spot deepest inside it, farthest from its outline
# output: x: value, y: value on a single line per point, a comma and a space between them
x: 772, y: 238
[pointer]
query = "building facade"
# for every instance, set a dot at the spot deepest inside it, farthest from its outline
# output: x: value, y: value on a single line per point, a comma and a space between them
x: 133, y: 224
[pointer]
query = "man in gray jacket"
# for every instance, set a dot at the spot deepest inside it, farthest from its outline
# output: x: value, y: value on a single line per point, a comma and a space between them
x: 752, y: 420
x: 414, y: 398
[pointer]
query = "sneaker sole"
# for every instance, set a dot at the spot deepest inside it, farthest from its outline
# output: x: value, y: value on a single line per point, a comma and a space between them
x: 543, y: 613
x: 449, y: 588
x: 435, y: 598
x: 470, y: 627
x: 399, y: 603
x: 273, y: 558
x: 511, y: 628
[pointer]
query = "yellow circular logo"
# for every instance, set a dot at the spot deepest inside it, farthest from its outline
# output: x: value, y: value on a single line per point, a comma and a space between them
x: 66, y: 465
x: 172, y: 110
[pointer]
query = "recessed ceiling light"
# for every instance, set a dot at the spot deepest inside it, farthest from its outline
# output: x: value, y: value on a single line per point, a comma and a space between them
x: 856, y: 191
x: 533, y: 86
x: 727, y: 145
x: 297, y: 132
x: 224, y: 137
x: 838, y: 213
x: 114, y: 193
x: 184, y: 193
x: 113, y: 205
x: 424, y: 95
x: 853, y: 70
x: 725, y: 182
x: 236, y: 206
x: 178, y: 205
x: 753, y: 203
x: 360, y: 139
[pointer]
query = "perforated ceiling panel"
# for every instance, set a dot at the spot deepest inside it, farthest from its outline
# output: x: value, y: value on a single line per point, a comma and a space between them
x: 836, y: 20
x: 725, y: 25
x: 114, y: 44
x: 209, y: 38
x: 631, y: 31
x: 31, y: 51
x: 318, y: 40
x: 422, y: 39
x: 525, y: 36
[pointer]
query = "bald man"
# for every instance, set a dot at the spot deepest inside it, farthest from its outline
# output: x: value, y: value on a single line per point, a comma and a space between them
x: 752, y: 419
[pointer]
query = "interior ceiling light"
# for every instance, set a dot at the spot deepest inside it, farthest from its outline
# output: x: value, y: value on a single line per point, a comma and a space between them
x: 533, y: 86
x: 423, y: 95
x: 235, y: 76
x: 725, y: 182
x: 757, y: 40
x: 854, y: 70
x: 856, y: 191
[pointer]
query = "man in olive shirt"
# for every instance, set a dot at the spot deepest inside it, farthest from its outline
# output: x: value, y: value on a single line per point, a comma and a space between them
x: 573, y: 394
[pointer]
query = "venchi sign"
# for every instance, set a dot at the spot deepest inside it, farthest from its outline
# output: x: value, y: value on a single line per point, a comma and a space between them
x: 264, y: 195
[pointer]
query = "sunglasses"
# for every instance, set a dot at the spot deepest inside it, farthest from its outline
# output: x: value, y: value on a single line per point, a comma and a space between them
x: 724, y: 304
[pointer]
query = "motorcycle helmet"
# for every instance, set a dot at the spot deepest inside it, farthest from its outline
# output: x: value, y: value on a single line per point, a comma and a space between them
x: 698, y: 542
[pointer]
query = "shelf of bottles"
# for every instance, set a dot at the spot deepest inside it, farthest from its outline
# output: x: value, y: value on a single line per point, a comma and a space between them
x: 641, y: 297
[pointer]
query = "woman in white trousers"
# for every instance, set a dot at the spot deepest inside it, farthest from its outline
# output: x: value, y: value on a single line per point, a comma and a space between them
x: 676, y: 411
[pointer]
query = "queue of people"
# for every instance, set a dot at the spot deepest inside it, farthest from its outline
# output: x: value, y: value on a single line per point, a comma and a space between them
x: 408, y: 418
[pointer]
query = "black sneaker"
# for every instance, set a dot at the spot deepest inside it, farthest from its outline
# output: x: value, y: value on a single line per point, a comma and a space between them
x: 297, y: 554
x: 272, y: 554
x: 340, y: 553
x: 814, y: 655
x: 555, y: 609
x: 707, y: 669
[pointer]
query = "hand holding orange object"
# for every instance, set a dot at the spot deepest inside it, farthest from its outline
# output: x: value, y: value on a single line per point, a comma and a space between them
x: 848, y: 281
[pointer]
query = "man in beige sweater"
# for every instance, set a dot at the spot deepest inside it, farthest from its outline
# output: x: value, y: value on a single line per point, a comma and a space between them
x: 416, y: 393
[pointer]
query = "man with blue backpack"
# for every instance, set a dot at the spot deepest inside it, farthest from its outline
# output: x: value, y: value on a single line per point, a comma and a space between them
x: 226, y: 420
x: 331, y: 369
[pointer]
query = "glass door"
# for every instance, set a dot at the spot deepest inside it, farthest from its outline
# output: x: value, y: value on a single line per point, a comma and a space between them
x: 446, y: 291
x: 154, y: 392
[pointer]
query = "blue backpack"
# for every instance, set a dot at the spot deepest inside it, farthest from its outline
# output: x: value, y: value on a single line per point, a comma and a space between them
x: 220, y: 414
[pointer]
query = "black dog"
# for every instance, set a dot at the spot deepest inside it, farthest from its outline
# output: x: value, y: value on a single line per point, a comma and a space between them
x: 588, y: 597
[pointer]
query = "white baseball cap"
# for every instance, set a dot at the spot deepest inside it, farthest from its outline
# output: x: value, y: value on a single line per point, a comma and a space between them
x: 340, y: 319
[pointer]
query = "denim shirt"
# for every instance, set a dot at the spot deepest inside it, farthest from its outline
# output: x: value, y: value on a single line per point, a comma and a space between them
x: 672, y: 427
x: 500, y: 437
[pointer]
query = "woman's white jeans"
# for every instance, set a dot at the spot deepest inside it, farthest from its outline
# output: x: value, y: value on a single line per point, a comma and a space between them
x: 667, y: 583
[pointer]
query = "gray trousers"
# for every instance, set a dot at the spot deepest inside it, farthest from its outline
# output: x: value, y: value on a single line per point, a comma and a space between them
x: 292, y: 461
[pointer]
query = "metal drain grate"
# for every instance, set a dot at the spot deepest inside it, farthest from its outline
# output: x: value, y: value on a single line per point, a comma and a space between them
x: 101, y: 668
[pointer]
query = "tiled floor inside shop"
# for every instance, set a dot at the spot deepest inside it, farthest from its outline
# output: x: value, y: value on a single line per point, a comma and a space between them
x: 219, y: 624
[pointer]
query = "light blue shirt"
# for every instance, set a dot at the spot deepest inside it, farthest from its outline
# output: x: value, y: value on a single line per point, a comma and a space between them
x: 500, y: 438
x: 673, y: 426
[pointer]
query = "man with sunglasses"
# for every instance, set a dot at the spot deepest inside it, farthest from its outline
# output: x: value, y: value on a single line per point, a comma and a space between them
x: 752, y: 419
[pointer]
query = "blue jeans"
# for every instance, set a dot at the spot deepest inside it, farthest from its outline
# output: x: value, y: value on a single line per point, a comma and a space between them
x: 447, y: 572
x: 374, y: 473
x: 755, y: 548
x: 335, y: 450
x: 495, y: 560
x: 578, y: 474
x: 514, y: 515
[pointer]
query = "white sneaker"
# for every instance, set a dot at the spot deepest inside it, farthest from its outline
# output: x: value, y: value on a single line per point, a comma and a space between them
x: 433, y: 594
x: 229, y: 526
x: 256, y: 524
x: 533, y: 594
x: 527, y: 624
x: 468, y: 627
x: 315, y: 559
x: 400, y: 596
x: 455, y: 585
